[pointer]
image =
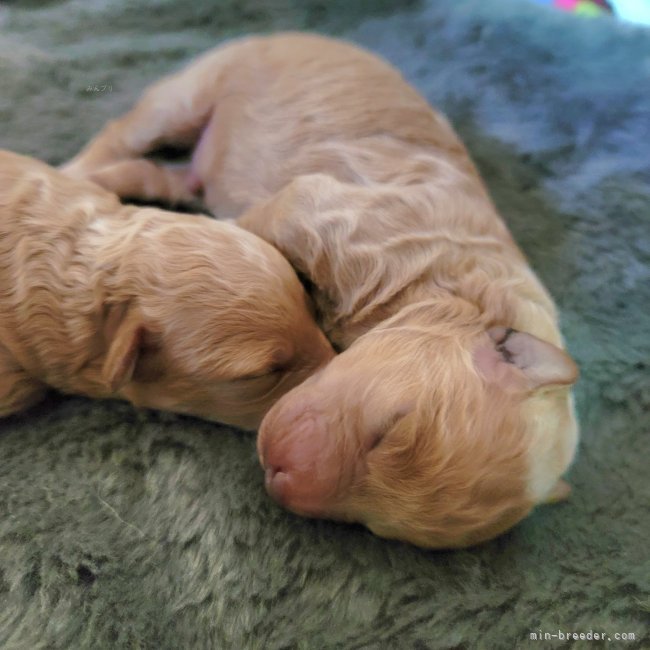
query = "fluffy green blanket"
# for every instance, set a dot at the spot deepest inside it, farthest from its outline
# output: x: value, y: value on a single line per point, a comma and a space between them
x: 129, y: 529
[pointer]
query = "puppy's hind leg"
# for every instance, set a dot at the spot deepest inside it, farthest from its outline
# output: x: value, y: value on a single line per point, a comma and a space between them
x: 17, y: 389
x: 173, y: 112
x: 162, y: 117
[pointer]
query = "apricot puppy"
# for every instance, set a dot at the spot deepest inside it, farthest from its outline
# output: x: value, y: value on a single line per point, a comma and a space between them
x: 448, y: 415
x: 165, y: 310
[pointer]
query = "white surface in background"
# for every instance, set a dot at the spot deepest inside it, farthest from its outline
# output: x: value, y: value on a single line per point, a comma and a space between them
x: 636, y: 11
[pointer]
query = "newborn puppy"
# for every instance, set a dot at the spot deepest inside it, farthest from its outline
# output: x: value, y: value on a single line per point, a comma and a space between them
x: 165, y: 310
x: 448, y: 416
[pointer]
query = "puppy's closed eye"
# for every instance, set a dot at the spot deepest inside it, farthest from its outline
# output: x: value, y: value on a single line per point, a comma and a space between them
x: 271, y: 371
x: 278, y: 365
x: 378, y: 432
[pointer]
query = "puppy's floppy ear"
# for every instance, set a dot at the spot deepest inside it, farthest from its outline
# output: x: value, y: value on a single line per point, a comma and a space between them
x: 520, y: 362
x: 124, y: 333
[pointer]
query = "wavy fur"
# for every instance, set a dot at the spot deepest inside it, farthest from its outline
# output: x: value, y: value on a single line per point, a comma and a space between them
x: 165, y: 310
x: 432, y: 425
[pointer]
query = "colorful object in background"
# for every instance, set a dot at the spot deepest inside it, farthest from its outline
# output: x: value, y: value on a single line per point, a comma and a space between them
x: 584, y: 7
x: 635, y: 11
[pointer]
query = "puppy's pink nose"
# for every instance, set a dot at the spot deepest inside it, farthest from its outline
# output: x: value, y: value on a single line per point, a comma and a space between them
x: 277, y: 483
x: 298, y: 457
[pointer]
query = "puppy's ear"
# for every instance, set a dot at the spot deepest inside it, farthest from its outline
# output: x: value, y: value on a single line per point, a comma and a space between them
x: 125, y: 336
x: 520, y: 362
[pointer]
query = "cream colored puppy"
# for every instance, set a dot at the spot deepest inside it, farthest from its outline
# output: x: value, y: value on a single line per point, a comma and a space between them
x: 165, y: 310
x: 448, y: 416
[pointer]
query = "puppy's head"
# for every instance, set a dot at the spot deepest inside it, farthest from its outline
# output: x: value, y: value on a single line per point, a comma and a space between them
x: 434, y: 431
x: 217, y: 324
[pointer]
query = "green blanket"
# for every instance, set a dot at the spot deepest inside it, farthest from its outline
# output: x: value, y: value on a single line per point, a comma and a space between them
x: 131, y: 529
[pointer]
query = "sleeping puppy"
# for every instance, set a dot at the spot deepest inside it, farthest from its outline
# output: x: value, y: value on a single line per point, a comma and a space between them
x: 448, y: 415
x: 165, y: 310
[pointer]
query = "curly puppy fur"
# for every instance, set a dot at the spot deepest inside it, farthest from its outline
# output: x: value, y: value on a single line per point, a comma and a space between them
x: 164, y: 310
x: 448, y: 416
